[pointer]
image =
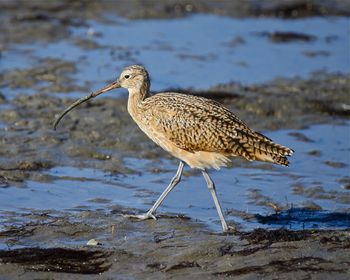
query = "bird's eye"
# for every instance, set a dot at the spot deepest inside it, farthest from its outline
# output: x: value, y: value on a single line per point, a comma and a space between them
x: 127, y: 76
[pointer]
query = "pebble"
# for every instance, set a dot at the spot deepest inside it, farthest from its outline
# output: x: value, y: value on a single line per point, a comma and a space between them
x: 93, y: 242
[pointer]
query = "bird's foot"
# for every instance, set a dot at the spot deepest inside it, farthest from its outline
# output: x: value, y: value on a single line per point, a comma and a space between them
x: 229, y: 229
x: 141, y: 217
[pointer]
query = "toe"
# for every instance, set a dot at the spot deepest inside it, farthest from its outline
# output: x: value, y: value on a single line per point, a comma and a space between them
x: 141, y: 216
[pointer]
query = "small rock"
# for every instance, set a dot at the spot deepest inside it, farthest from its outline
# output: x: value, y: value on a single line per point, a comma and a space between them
x: 93, y: 242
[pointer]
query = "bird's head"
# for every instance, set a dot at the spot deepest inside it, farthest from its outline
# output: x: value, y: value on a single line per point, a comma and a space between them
x: 134, y: 78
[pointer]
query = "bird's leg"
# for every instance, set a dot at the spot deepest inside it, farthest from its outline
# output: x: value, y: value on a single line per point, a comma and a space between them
x: 211, y: 187
x: 174, y: 181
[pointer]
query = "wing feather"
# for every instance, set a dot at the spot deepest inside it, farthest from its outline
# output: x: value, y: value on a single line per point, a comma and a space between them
x: 198, y: 124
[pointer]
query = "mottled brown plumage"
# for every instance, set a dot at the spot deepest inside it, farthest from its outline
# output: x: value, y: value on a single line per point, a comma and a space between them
x: 196, y: 124
x: 196, y: 130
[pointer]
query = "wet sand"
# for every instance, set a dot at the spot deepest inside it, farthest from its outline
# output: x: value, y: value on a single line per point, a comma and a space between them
x: 100, y: 135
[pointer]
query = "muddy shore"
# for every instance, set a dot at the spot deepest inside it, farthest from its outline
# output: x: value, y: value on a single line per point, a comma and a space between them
x: 171, y: 247
x: 52, y: 244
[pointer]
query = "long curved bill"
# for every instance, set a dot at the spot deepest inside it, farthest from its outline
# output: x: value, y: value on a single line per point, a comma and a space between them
x: 113, y: 85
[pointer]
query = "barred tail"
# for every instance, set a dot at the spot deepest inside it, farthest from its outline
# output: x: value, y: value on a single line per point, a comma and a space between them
x: 256, y: 146
x: 272, y: 152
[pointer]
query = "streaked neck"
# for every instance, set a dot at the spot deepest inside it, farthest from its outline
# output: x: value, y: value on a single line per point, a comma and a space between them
x: 136, y: 96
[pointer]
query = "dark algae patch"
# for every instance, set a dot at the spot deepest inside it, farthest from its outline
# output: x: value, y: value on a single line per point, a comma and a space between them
x: 272, y: 236
x: 57, y: 260
x: 305, y: 264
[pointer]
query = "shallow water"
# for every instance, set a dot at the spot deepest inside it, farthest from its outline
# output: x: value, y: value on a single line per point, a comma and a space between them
x: 197, y: 52
x: 320, y: 161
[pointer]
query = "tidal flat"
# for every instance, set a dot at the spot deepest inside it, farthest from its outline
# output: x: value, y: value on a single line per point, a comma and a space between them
x: 282, y: 68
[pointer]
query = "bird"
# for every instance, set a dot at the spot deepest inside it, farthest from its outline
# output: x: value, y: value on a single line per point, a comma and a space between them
x: 200, y: 132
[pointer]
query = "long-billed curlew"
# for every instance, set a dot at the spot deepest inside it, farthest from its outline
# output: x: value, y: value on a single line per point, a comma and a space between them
x: 196, y: 130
